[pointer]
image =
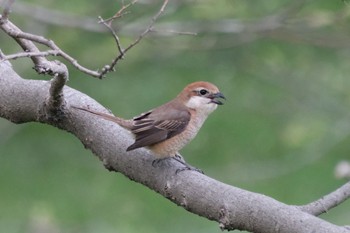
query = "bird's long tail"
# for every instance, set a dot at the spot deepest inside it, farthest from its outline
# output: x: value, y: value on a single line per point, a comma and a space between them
x: 120, y: 121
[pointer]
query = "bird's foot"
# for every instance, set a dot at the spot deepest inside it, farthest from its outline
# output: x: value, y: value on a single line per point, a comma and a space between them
x: 186, y: 167
x: 156, y: 162
x: 178, y: 156
x: 179, y: 159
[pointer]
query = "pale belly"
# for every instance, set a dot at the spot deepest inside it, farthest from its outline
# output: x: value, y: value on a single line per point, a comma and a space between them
x: 170, y: 147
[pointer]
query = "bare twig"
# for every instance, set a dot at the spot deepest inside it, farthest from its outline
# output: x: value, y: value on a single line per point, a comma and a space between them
x: 115, y: 36
x: 120, y: 13
x: 110, y: 67
x: 108, y: 24
x: 29, y: 54
x: 25, y: 40
x: 328, y: 202
x: 27, y: 45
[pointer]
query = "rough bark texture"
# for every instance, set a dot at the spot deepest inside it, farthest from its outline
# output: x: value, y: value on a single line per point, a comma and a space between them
x: 233, y: 208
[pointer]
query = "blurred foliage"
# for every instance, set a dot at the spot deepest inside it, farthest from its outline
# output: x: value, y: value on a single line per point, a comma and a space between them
x: 284, y: 127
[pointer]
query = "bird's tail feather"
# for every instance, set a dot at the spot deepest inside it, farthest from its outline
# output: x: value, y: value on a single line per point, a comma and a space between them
x: 120, y: 121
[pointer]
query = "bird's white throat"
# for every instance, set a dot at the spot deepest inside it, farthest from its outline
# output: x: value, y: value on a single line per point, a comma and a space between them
x: 201, y: 104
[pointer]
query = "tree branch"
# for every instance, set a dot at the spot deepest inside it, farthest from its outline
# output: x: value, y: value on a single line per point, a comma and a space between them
x: 25, y: 40
x: 54, y: 68
x: 27, y: 45
x: 328, y: 202
x: 231, y: 207
x: 29, y: 54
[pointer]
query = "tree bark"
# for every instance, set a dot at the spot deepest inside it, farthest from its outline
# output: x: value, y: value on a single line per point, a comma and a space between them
x: 24, y: 100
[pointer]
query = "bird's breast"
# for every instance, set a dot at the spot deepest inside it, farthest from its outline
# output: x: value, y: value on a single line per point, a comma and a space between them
x: 171, y: 146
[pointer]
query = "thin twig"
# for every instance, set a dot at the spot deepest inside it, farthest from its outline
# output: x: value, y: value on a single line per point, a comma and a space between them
x: 119, y: 14
x: 27, y: 45
x: 115, y: 36
x: 141, y: 36
x: 29, y: 54
x: 108, y: 24
x: 25, y: 40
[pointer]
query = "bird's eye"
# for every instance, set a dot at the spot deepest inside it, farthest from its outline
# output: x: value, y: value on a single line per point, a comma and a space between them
x: 203, y: 92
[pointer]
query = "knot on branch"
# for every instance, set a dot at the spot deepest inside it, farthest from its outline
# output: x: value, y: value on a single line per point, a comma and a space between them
x: 51, y: 68
x: 224, y: 221
x: 52, y: 109
x: 52, y: 115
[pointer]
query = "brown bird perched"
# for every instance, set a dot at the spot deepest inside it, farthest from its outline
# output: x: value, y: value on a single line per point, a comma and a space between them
x: 168, y: 128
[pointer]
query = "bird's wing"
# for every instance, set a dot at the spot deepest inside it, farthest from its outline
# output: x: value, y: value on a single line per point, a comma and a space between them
x: 156, y: 126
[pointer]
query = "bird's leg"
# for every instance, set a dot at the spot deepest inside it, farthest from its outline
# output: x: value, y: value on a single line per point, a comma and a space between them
x: 179, y: 159
x: 187, y: 167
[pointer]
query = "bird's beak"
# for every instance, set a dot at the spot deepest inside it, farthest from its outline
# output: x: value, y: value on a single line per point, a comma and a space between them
x: 214, y: 98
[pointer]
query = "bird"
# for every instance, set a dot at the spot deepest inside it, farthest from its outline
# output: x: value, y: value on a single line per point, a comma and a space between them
x: 166, y: 129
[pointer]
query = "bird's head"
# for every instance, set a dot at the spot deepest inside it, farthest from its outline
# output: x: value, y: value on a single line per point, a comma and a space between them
x: 202, y: 96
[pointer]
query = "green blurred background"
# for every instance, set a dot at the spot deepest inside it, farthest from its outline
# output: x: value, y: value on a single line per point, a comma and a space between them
x: 283, y: 66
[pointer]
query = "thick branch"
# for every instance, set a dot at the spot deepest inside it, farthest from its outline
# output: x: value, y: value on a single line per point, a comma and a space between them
x: 232, y: 207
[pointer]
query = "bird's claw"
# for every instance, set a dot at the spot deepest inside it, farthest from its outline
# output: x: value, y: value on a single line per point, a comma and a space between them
x: 179, y: 159
x: 188, y: 168
x: 178, y: 156
x: 156, y: 162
